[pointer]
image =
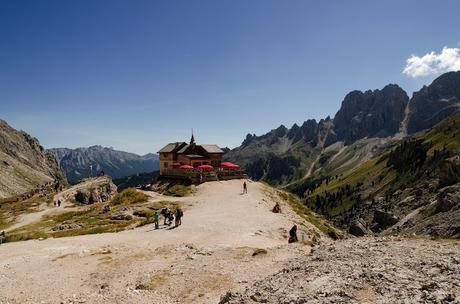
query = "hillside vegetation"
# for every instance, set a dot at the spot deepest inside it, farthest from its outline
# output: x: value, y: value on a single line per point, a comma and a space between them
x: 408, y: 169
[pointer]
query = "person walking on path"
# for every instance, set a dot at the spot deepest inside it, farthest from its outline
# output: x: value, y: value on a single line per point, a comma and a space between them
x: 179, y: 214
x: 155, y: 219
x: 245, y: 188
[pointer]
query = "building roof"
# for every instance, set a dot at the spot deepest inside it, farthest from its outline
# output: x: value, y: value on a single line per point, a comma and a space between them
x: 172, y: 147
x: 184, y: 149
x: 212, y: 148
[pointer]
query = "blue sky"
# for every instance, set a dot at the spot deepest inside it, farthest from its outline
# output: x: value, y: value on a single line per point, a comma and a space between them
x: 135, y: 75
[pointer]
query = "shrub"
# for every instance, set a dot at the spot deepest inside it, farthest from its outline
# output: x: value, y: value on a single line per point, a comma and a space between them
x: 129, y: 196
x: 177, y: 190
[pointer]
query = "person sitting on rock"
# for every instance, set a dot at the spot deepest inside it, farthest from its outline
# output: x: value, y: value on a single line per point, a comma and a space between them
x: 277, y: 208
x: 293, y: 235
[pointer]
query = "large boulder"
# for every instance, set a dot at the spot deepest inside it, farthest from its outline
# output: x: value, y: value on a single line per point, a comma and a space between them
x: 383, y: 219
x: 66, y: 227
x: 448, y: 198
x: 449, y: 171
x: 357, y: 228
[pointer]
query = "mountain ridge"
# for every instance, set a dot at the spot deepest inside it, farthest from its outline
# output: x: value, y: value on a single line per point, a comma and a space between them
x: 385, y: 113
x: 83, y: 162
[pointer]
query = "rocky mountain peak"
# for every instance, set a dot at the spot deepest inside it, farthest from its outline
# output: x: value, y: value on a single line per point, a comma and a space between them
x: 434, y: 102
x: 371, y: 114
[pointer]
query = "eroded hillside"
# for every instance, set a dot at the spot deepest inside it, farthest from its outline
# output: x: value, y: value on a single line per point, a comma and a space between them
x: 24, y: 164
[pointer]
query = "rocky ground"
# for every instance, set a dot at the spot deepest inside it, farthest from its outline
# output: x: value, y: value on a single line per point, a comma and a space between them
x: 364, y: 270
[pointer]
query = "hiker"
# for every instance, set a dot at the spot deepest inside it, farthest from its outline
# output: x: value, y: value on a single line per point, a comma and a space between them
x: 167, y: 215
x: 293, y: 234
x: 2, y: 236
x: 277, y: 208
x: 155, y: 219
x: 59, y: 203
x: 179, y: 214
x: 245, y: 188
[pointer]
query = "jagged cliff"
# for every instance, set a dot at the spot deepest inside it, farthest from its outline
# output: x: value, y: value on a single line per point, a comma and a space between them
x: 434, y: 102
x: 24, y: 163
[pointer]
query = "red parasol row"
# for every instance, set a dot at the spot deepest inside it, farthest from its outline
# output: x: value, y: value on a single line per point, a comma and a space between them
x: 223, y: 164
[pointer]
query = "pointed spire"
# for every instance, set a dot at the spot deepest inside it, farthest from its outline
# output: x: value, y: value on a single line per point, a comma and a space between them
x: 192, y: 140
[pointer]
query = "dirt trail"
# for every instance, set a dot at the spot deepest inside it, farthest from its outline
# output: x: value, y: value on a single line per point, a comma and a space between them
x: 43, y: 210
x: 195, y: 263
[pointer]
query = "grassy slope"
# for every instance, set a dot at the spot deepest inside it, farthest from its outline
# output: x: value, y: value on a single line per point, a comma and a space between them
x: 12, y: 207
x: 91, y: 219
x: 376, y: 177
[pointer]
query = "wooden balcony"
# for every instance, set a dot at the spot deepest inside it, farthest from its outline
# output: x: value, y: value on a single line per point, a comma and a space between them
x: 198, y: 176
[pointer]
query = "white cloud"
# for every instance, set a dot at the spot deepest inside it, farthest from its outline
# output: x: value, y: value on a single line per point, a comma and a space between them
x: 433, y: 63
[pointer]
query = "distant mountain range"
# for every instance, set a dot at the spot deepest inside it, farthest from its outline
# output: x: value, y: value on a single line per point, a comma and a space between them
x: 84, y: 162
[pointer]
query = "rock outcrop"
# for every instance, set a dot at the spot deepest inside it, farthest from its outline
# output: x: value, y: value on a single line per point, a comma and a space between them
x: 377, y: 113
x: 357, y: 228
x: 89, y: 191
x: 435, y: 102
x: 24, y: 164
x: 97, y: 190
x: 383, y: 219
x: 449, y: 171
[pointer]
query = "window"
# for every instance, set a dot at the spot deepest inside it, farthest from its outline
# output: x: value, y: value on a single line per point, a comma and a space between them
x: 166, y: 164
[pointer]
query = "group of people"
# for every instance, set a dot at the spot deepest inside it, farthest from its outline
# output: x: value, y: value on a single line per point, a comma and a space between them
x: 169, y: 216
x: 57, y: 203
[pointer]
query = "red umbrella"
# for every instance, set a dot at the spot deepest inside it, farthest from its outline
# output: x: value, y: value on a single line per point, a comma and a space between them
x: 227, y: 164
x: 175, y: 165
x: 186, y: 167
x: 205, y: 167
